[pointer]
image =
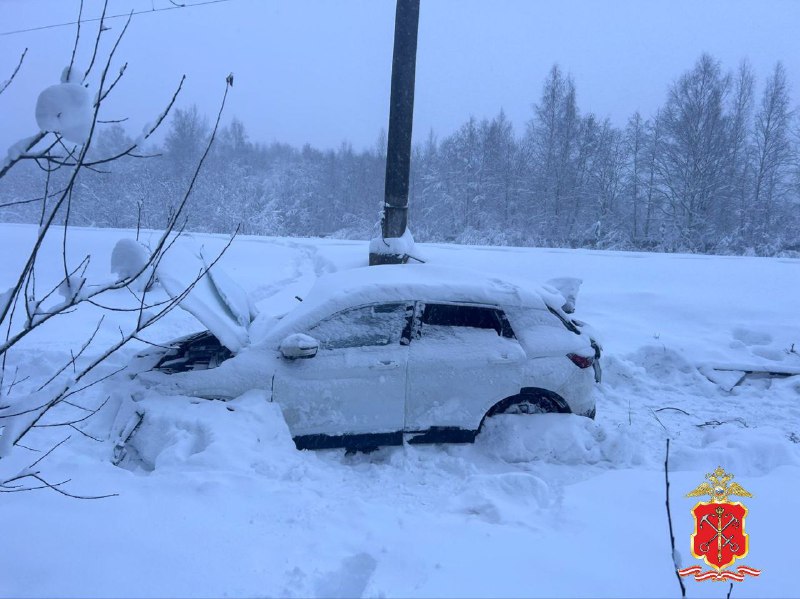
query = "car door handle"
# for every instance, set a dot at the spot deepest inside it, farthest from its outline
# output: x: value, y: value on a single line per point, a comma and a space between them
x: 384, y: 365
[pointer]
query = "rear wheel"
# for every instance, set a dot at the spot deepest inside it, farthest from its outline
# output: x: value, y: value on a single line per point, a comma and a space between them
x: 529, y: 401
x: 532, y: 404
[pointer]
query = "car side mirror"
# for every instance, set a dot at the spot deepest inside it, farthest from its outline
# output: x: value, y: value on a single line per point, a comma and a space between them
x: 299, y: 345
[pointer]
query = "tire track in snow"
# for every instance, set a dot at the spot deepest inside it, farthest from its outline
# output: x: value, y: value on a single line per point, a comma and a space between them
x: 306, y: 268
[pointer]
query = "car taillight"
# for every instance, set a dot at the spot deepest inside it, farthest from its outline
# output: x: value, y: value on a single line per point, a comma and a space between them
x: 580, y: 361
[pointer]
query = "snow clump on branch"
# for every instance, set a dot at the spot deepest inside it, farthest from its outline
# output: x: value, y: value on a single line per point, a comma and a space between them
x: 130, y: 257
x: 66, y: 109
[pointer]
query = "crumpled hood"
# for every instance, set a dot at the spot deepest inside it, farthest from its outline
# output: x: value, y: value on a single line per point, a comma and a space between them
x: 215, y: 299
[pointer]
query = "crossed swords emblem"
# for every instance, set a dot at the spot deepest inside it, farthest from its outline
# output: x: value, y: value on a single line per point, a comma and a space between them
x: 719, y: 529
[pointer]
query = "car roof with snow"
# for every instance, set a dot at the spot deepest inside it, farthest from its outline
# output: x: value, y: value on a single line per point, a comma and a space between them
x: 423, y: 282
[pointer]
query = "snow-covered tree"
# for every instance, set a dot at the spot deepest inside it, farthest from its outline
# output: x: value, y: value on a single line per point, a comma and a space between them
x: 773, y: 156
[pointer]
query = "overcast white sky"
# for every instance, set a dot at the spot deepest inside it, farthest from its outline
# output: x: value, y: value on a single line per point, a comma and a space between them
x: 318, y: 71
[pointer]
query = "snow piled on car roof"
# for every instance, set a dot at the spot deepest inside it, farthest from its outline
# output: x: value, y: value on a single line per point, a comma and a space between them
x: 423, y: 282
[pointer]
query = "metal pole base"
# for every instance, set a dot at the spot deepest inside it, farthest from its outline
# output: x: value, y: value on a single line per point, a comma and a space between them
x: 378, y: 259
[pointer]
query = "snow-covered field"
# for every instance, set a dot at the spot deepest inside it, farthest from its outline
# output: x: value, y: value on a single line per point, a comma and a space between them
x: 222, y: 504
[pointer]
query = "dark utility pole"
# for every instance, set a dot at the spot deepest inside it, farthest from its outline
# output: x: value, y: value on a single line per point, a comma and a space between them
x: 401, y: 115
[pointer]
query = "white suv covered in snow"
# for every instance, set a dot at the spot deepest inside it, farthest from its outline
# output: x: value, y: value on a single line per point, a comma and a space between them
x: 378, y: 355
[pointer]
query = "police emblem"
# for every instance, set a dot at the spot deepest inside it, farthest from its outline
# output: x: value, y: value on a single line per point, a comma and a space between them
x: 719, y: 538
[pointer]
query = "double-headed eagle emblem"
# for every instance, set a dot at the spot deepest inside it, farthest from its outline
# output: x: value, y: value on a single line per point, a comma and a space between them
x: 719, y: 538
x: 719, y: 487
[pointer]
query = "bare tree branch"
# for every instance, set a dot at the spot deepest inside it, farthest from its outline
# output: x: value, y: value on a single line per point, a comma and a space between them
x: 49, y: 451
x: 6, y: 488
x: 56, y: 389
x: 77, y: 39
x: 79, y: 420
x: 74, y: 357
x: 669, y: 520
x: 164, y: 243
x: 84, y: 433
x: 8, y: 81
x: 53, y: 486
x: 28, y: 145
x: 100, y: 30
x: 32, y: 200
x: 113, y: 83
x: 129, y: 151
x: 671, y: 408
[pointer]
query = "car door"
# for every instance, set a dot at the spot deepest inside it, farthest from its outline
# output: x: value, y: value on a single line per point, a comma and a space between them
x: 463, y: 359
x: 355, y: 385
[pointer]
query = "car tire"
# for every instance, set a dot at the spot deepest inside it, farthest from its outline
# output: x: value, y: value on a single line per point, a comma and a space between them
x: 529, y: 401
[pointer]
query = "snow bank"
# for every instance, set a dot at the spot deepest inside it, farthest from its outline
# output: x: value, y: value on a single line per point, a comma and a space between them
x: 552, y: 505
x: 507, y: 498
x: 558, y: 439
x: 179, y: 433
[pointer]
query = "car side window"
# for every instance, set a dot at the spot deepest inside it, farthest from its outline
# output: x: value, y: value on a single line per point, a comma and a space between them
x: 379, y: 324
x: 437, y: 316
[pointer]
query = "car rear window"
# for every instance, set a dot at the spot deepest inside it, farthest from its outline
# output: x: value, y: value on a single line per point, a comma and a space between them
x: 478, y: 317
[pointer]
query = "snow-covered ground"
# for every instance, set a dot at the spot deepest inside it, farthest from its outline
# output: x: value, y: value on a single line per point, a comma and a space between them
x: 220, y: 502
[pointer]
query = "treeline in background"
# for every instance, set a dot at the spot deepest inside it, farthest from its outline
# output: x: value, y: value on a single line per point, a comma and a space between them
x: 715, y: 170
